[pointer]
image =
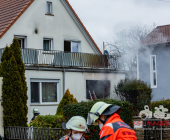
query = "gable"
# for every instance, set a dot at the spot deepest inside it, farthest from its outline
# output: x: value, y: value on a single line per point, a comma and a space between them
x: 23, y: 14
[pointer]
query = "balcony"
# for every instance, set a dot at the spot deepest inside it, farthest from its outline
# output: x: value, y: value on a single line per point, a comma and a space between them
x: 41, y: 58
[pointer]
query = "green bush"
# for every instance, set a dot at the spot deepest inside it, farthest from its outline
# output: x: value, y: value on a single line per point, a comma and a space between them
x: 49, y: 121
x: 14, y: 89
x: 165, y: 103
x: 67, y: 99
x: 82, y: 109
x: 136, y: 92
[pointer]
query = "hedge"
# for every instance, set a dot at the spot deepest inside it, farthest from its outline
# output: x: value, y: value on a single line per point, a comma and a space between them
x: 135, y: 91
x: 165, y: 103
x: 49, y: 121
x: 82, y: 109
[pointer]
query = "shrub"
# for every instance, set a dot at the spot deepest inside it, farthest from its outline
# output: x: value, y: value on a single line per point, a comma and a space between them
x: 82, y: 109
x: 67, y: 99
x: 49, y: 121
x: 165, y: 103
x: 14, y: 89
x: 136, y: 92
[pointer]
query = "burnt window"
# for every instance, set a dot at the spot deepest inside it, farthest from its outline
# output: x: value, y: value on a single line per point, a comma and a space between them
x: 97, y: 88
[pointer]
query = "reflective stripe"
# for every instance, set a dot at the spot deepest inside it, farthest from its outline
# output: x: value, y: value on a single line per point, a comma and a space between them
x: 100, y: 107
x: 78, y: 127
x: 110, y: 125
x: 97, y: 109
x: 105, y: 137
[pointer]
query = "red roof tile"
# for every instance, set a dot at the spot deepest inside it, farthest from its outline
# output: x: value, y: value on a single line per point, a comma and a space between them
x: 159, y: 35
x: 10, y: 11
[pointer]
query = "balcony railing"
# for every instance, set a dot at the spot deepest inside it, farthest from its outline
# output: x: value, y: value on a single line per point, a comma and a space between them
x: 37, y: 57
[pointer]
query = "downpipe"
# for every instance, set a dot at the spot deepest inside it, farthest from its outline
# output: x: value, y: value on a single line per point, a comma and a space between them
x: 64, y: 81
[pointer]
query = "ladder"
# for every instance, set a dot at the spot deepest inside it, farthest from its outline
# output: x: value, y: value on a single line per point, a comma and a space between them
x: 92, y: 95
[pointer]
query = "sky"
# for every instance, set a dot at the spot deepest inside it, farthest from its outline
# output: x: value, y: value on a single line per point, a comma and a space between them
x: 104, y: 18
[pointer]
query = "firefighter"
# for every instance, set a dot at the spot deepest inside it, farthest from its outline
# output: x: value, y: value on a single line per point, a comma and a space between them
x: 35, y: 114
x: 77, y: 126
x: 110, y: 124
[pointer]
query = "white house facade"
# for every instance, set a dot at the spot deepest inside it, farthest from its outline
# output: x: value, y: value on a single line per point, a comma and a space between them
x: 58, y: 53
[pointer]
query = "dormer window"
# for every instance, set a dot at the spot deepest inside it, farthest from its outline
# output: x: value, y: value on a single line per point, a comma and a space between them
x: 49, y: 8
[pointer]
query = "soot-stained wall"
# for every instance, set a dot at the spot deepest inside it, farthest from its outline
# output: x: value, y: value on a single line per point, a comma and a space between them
x: 100, y: 87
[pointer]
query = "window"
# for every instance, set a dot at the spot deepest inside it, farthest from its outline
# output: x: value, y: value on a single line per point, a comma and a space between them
x: 49, y: 7
x: 71, y: 46
x: 98, y: 88
x: 47, y: 44
x: 44, y: 91
x: 22, y: 41
x: 153, y: 73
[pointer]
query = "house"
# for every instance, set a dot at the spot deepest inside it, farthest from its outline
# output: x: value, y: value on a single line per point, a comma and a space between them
x: 58, y: 53
x: 154, y: 61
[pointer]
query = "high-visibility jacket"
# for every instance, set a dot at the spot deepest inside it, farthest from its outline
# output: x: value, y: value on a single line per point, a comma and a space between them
x: 116, y: 129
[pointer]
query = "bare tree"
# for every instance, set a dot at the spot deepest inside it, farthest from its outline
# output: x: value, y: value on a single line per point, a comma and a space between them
x: 126, y: 45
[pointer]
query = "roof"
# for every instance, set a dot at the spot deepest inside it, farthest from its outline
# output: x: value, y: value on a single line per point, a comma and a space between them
x: 11, y: 10
x: 159, y: 35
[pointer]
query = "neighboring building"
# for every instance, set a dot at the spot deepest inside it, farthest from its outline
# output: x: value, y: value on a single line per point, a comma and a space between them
x: 58, y: 53
x: 154, y: 61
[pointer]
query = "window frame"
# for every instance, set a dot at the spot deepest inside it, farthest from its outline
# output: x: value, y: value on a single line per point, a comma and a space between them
x: 77, y: 41
x: 21, y: 37
x: 40, y: 80
x: 152, y: 71
x: 51, y: 42
x: 51, y: 8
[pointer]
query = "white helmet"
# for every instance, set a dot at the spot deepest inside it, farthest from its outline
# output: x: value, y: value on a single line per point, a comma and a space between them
x: 77, y: 123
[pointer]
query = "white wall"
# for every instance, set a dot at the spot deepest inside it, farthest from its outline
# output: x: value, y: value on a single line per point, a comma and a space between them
x: 1, y: 111
x: 74, y: 81
x: 48, y: 108
x: 60, y: 26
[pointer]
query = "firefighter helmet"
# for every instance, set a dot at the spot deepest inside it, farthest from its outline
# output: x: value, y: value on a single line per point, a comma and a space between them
x: 77, y: 123
x: 100, y: 108
x: 35, y: 111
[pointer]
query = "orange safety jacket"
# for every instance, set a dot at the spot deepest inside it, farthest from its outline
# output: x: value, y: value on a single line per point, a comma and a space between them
x: 116, y: 129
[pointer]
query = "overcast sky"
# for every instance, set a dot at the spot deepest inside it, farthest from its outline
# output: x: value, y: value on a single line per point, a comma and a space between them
x: 104, y: 18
